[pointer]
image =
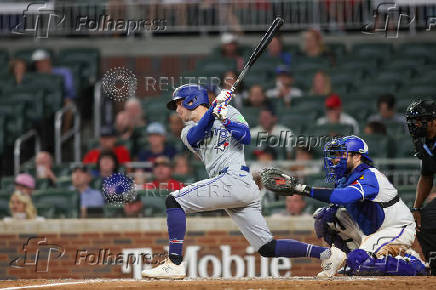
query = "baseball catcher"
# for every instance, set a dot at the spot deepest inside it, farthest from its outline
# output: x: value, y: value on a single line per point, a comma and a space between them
x: 367, y: 219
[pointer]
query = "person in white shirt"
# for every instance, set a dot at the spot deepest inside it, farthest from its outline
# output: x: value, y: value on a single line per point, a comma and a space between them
x: 334, y: 114
x: 284, y: 86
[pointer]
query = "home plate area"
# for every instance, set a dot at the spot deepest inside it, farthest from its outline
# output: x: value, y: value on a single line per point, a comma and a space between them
x: 397, y: 283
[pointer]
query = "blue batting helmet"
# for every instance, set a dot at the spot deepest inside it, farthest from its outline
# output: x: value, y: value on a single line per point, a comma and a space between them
x: 192, y: 96
x: 335, y: 169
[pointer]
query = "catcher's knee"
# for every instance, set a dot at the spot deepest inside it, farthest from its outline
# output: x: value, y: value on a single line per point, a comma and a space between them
x: 268, y: 250
x: 171, y: 202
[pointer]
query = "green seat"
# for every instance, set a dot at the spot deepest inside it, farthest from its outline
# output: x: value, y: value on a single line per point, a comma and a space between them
x: 153, y: 202
x: 89, y: 59
x: 53, y: 86
x: 4, y: 206
x: 372, y: 50
x: 376, y: 89
x: 42, y: 183
x: 216, y: 64
x: 377, y: 145
x: 402, y: 146
x: 368, y: 66
x: 251, y: 115
x: 273, y: 207
x: 407, y: 194
x: 32, y: 99
x: 297, y: 122
x: 332, y: 130
x: 338, y: 49
x: 309, y: 103
x: 112, y: 211
x: 7, y: 182
x: 65, y: 202
x: 4, y: 56
x: 403, y: 65
x: 396, y: 129
x: 422, y: 91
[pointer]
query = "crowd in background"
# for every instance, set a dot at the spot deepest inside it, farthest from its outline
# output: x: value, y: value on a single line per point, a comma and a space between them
x: 136, y: 137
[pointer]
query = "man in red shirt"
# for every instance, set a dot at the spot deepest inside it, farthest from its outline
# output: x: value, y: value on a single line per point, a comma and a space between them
x: 162, y: 172
x: 107, y: 142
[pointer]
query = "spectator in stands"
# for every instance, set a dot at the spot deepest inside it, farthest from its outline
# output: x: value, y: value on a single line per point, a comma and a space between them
x: 124, y: 125
x: 25, y: 183
x: 42, y: 63
x: 44, y: 164
x: 284, y: 86
x: 335, y: 115
x: 18, y: 69
x: 321, y: 85
x: 91, y: 200
x: 181, y: 165
x: 303, y: 167
x: 107, y: 164
x: 230, y: 48
x: 162, y: 172
x: 295, y: 205
x: 375, y: 128
x: 264, y: 158
x: 21, y: 207
x: 268, y: 126
x: 275, y: 49
x: 107, y: 142
x: 134, y: 111
x: 156, y: 138
x: 175, y: 125
x: 314, y: 47
x: 386, y: 112
x: 256, y: 97
x: 227, y: 81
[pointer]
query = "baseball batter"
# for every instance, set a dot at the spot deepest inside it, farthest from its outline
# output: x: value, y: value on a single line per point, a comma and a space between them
x: 217, y: 134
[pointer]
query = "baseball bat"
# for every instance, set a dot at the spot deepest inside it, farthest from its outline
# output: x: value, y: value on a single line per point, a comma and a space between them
x: 260, y: 48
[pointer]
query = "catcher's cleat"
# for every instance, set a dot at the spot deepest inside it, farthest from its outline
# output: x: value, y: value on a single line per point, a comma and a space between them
x: 166, y: 270
x: 331, y: 265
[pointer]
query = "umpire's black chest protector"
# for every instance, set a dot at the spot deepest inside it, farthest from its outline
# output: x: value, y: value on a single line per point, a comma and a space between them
x: 428, y: 166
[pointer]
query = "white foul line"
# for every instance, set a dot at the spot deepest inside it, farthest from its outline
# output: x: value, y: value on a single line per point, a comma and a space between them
x: 48, y: 285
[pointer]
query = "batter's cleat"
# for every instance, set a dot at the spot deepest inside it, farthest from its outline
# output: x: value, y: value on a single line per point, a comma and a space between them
x: 166, y: 270
x: 331, y: 265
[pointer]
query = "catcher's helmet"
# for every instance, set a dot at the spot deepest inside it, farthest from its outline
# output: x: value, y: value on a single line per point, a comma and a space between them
x: 420, y: 111
x: 335, y: 170
x: 192, y: 96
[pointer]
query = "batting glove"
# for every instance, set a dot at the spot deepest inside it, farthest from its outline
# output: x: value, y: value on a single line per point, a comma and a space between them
x: 220, y: 111
x: 224, y: 97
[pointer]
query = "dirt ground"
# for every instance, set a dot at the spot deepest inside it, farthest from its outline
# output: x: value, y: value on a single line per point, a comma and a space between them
x: 397, y: 283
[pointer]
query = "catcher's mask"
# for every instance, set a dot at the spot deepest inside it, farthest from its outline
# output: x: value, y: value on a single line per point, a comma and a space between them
x: 335, y: 160
x: 336, y: 154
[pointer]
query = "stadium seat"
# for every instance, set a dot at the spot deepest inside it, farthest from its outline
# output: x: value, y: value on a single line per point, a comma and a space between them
x: 65, y: 202
x: 296, y: 121
x: 32, y: 99
x: 113, y: 211
x: 273, y: 207
x: 53, y: 86
x: 153, y: 202
x: 421, y: 91
x: 372, y: 50
x: 407, y: 194
x: 377, y: 145
x: 216, y: 64
x: 396, y: 129
x: 4, y: 57
x: 7, y: 183
x: 331, y: 130
x: 4, y: 206
x: 402, y: 146
x: 338, y: 49
x: 89, y: 59
x: 251, y: 115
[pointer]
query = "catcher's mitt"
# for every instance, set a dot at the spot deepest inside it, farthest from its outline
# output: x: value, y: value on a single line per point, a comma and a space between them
x: 275, y: 180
